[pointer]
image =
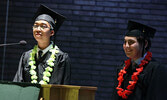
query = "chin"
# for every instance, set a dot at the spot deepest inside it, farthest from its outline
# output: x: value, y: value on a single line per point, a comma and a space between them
x: 128, y: 55
x: 38, y: 40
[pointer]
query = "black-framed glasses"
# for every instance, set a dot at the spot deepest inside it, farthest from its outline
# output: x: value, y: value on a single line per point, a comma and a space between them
x: 42, y: 27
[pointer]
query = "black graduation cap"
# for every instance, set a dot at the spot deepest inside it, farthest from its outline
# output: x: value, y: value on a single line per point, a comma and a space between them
x: 137, y: 29
x: 53, y: 18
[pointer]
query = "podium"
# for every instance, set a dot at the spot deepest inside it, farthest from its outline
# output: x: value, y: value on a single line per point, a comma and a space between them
x: 67, y: 92
x: 28, y: 91
x: 19, y: 91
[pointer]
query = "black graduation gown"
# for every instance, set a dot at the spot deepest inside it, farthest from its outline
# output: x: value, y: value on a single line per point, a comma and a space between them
x: 152, y: 83
x: 61, y: 72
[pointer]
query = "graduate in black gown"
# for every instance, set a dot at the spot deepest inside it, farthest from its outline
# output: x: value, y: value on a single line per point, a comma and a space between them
x: 140, y: 77
x: 45, y: 63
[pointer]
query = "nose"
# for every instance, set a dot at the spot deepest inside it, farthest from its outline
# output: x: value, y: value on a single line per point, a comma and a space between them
x: 39, y: 28
x: 126, y: 44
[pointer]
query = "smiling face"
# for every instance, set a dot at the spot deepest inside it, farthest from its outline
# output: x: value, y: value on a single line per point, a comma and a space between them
x: 42, y: 31
x: 132, y: 48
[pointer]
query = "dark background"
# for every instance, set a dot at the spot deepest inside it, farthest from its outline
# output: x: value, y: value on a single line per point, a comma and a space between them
x: 92, y: 35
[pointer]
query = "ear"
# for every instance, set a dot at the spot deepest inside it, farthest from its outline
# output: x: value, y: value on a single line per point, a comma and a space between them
x: 52, y: 33
x: 146, y: 43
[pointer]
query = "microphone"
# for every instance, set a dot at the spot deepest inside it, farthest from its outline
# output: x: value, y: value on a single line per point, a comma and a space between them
x: 22, y: 42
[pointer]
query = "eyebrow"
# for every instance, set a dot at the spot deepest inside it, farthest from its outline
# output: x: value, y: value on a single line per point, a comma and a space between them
x: 130, y: 39
x: 40, y: 23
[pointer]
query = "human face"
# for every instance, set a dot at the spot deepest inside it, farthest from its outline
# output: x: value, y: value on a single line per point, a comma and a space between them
x: 132, y: 48
x: 42, y: 32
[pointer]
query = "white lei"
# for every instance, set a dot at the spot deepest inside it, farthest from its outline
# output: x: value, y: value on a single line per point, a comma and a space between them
x: 48, y: 69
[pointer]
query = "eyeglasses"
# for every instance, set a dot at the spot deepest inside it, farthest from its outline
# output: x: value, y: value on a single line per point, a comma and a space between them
x: 42, y: 27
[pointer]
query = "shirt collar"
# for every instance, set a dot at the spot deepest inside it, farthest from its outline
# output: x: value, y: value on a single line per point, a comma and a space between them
x: 44, y: 50
x: 138, y: 61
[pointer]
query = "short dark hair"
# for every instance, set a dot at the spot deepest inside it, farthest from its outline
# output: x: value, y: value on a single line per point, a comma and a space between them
x: 141, y: 41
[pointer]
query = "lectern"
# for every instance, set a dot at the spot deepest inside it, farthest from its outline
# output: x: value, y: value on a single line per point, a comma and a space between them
x: 19, y: 91
x: 67, y: 92
x: 28, y: 91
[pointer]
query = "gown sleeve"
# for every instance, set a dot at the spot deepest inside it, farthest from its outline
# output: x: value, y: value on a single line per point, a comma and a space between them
x: 67, y: 70
x: 158, y: 86
x: 19, y: 74
x: 62, y: 71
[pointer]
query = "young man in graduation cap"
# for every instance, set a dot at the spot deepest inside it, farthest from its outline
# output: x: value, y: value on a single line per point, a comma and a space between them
x: 139, y: 76
x: 45, y: 63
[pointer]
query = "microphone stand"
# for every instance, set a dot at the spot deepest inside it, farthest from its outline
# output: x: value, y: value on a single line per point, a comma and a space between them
x: 22, y: 42
x: 8, y: 44
x: 6, y: 28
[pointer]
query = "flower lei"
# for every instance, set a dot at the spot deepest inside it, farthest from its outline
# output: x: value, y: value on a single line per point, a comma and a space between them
x: 48, y: 69
x: 124, y: 93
